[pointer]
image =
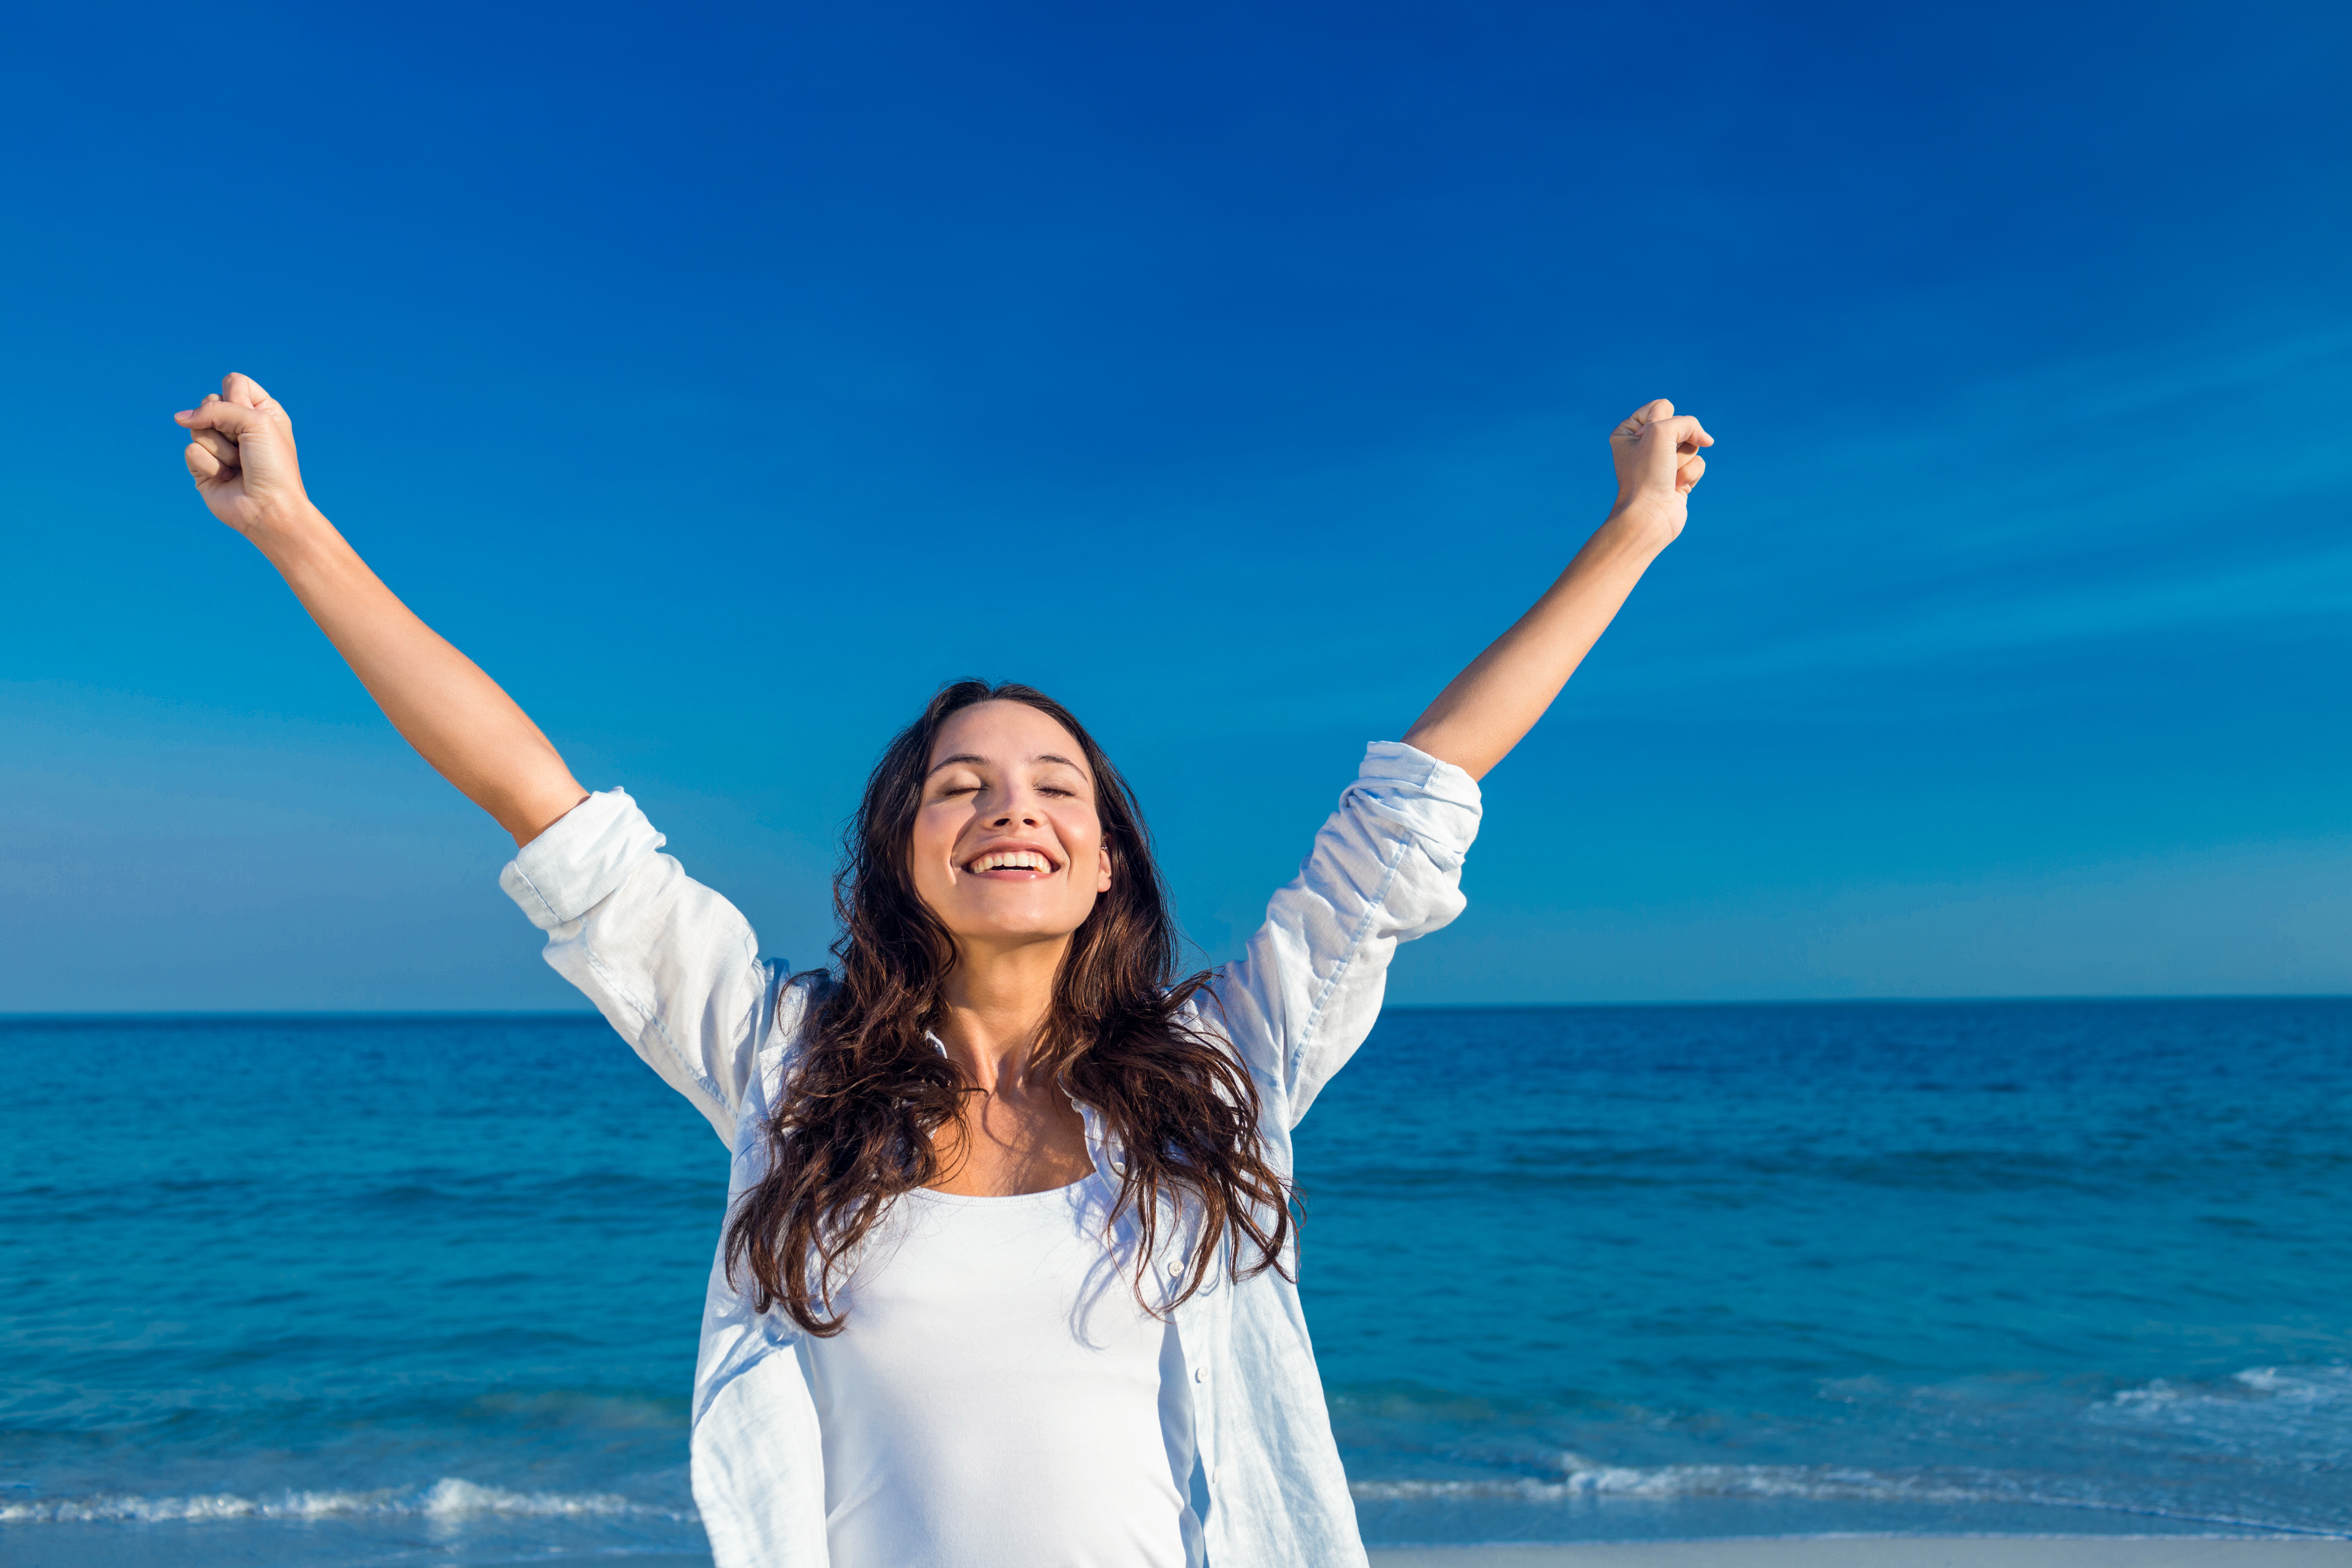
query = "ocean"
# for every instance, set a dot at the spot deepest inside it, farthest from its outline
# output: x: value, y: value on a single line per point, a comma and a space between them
x: 392, y: 1290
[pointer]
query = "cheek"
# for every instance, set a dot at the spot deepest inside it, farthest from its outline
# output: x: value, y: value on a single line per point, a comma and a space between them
x: 931, y: 844
x: 1083, y: 839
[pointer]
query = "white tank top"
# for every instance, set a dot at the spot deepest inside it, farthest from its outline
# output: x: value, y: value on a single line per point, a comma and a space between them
x: 999, y: 1400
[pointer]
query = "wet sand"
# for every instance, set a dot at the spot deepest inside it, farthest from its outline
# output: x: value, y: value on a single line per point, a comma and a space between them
x: 1894, y: 1551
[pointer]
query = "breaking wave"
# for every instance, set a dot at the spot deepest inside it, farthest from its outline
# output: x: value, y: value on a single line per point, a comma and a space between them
x: 448, y: 1499
x: 1584, y: 1481
x: 2266, y: 1412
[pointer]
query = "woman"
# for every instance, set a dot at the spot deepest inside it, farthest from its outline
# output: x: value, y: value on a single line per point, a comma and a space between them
x: 1007, y: 1276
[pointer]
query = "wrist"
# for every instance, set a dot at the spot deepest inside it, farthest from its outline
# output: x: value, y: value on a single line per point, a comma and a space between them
x: 293, y: 535
x: 292, y: 526
x: 1645, y: 521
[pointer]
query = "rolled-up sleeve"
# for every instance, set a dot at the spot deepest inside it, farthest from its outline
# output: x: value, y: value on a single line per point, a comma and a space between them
x: 673, y: 967
x: 1386, y: 868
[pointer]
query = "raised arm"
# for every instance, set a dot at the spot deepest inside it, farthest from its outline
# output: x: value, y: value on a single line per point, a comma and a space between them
x: 241, y: 455
x: 1490, y: 706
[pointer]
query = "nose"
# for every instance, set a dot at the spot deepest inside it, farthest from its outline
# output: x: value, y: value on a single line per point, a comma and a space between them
x: 1017, y: 807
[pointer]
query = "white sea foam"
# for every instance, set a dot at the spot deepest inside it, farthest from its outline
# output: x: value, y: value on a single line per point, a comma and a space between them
x: 1583, y: 1482
x: 2266, y: 1412
x: 1583, y: 1479
x: 448, y: 1499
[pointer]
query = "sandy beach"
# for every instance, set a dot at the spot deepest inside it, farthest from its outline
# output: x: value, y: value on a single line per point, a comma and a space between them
x: 1892, y: 1551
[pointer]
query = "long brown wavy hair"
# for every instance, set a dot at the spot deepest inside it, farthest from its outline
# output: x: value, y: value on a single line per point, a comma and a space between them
x: 858, y: 1120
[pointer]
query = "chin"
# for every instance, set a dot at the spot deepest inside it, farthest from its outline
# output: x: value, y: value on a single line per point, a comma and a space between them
x: 1013, y: 929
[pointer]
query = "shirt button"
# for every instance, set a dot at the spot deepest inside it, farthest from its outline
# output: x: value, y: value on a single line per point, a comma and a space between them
x: 1200, y: 1374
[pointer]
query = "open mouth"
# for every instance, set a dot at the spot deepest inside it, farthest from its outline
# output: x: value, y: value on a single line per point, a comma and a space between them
x: 1010, y: 865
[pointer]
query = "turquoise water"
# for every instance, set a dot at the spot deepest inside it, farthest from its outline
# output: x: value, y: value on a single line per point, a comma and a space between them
x: 394, y: 1289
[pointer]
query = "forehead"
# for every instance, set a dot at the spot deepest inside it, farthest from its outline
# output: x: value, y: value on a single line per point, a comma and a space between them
x: 1004, y: 734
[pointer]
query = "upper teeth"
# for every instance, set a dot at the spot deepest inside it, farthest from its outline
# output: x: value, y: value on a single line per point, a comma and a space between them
x: 1011, y: 860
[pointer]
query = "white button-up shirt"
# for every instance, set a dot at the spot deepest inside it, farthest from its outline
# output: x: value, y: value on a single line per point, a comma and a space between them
x: 676, y: 970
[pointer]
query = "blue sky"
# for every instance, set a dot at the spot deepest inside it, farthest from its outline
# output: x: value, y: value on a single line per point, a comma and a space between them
x: 725, y: 379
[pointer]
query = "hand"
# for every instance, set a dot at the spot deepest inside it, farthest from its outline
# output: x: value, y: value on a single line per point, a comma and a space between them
x: 241, y: 455
x: 1656, y: 452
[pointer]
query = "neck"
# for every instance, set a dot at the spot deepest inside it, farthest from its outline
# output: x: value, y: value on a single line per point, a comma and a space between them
x: 993, y: 1004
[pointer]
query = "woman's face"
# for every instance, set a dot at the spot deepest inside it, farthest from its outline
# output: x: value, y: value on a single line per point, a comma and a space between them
x: 1007, y: 848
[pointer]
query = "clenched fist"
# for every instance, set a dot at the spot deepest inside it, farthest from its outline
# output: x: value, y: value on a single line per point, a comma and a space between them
x: 1656, y: 452
x: 241, y: 455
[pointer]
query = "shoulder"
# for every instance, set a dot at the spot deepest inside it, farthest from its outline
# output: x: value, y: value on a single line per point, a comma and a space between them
x: 798, y: 999
x: 1201, y: 1013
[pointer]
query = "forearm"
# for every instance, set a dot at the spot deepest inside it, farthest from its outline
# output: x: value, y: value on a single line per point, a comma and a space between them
x: 1487, y: 709
x: 440, y: 702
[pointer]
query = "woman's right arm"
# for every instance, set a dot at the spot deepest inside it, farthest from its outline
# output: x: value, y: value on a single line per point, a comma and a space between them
x: 241, y: 455
x: 672, y: 965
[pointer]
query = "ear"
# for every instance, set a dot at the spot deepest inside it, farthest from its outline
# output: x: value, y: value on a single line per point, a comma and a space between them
x: 1102, y: 869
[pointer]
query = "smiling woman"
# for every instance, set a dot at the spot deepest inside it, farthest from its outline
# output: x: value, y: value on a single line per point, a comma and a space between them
x: 998, y: 859
x: 1006, y: 1277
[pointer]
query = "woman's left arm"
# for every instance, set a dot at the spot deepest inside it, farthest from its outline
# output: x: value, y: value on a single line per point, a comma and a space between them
x: 1490, y: 706
x: 1387, y: 867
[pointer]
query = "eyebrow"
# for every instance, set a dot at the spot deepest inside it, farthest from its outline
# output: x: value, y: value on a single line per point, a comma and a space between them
x: 983, y: 761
